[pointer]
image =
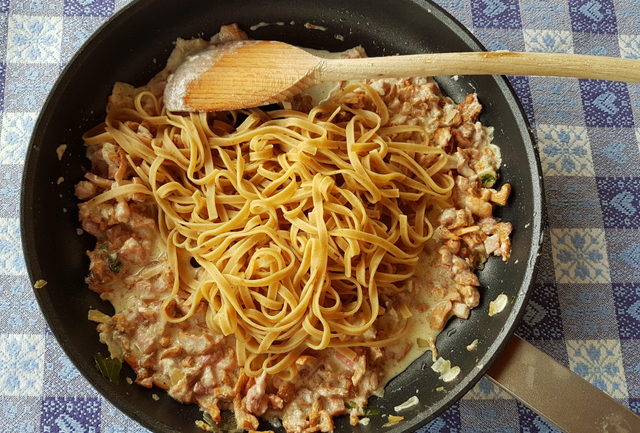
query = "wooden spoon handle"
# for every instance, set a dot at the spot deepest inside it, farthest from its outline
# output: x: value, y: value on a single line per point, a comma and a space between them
x: 482, y: 63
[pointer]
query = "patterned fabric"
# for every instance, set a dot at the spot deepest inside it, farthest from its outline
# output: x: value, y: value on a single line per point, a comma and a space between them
x: 585, y: 307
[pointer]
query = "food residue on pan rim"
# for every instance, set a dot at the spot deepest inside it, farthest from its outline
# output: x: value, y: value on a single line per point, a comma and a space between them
x: 60, y: 151
x: 410, y: 402
x: 498, y: 305
x: 473, y: 345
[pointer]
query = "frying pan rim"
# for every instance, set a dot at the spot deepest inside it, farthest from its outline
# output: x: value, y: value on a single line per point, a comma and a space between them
x: 497, y: 345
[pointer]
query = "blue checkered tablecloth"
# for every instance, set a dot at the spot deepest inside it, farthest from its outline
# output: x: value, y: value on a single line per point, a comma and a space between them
x: 585, y: 308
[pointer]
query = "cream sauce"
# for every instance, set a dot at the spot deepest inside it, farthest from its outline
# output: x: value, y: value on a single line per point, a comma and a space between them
x: 121, y: 296
x: 427, y: 276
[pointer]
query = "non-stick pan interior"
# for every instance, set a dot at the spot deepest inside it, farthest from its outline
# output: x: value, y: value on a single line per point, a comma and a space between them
x: 132, y: 47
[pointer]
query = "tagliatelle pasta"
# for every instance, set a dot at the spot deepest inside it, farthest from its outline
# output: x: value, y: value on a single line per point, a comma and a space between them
x: 299, y: 221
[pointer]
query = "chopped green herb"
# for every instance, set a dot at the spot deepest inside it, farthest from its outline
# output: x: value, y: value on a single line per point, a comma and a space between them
x: 487, y: 179
x: 108, y: 367
x: 369, y: 412
x: 365, y: 410
x: 104, y: 247
x: 227, y: 423
x: 114, y: 263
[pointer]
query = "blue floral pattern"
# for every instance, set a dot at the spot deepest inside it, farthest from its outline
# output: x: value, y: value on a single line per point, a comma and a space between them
x: 27, y: 85
x: 11, y: 260
x: 34, y: 39
x: 565, y: 150
x: 629, y: 46
x: 580, y: 256
x: 593, y: 16
x: 19, y: 414
x: 21, y: 364
x: 542, y: 318
x: 551, y: 41
x: 606, y: 104
x: 14, y: 137
x: 599, y: 362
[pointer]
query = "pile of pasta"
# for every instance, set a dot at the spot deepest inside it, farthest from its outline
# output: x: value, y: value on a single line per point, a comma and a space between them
x: 301, y: 224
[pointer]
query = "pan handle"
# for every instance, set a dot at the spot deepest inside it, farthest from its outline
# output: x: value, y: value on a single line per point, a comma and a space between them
x: 558, y: 394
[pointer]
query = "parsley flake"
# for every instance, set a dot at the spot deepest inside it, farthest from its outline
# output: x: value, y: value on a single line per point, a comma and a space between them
x: 487, y: 179
x: 108, y: 367
x: 114, y: 263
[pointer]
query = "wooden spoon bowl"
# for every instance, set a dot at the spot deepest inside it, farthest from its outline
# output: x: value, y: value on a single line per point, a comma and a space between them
x: 246, y: 74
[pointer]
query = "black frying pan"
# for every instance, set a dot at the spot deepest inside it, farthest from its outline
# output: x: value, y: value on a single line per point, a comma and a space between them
x: 132, y: 47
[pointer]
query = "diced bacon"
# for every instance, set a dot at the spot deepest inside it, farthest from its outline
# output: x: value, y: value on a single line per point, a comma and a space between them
x: 122, y: 212
x: 243, y: 418
x: 470, y: 295
x: 85, y: 190
x: 375, y: 353
x: 286, y: 391
x: 461, y: 310
x: 350, y: 363
x: 464, y: 135
x: 132, y: 251
x: 470, y: 108
x: 121, y: 96
x: 492, y: 243
x: 442, y: 137
x: 275, y: 402
x: 335, y: 406
x: 256, y: 400
x: 230, y: 33
x: 360, y: 368
x: 501, y: 197
x: 439, y: 315
x: 455, y: 218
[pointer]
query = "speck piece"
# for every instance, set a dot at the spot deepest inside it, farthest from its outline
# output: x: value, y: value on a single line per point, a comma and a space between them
x: 39, y: 284
x: 155, y: 396
x: 60, y: 180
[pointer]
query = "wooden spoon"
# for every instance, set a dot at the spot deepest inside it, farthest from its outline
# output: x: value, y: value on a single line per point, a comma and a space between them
x: 246, y: 74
